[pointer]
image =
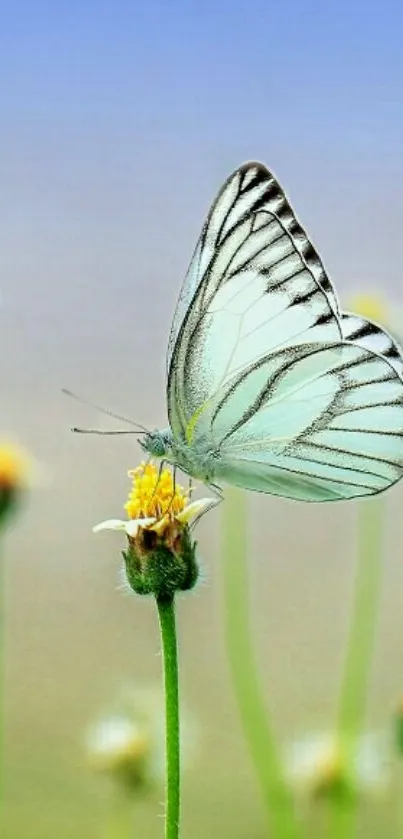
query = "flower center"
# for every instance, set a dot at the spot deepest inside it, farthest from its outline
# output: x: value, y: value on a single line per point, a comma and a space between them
x: 153, y: 493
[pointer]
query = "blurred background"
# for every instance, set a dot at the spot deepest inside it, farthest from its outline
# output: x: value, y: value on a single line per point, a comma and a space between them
x: 119, y: 123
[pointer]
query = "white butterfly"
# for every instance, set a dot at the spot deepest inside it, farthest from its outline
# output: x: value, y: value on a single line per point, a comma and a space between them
x: 270, y: 386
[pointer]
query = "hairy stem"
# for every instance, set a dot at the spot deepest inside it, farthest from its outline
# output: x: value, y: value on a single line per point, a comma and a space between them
x: 166, y: 612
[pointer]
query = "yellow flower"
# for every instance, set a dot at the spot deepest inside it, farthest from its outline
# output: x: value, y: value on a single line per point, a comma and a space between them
x: 15, y: 467
x: 15, y: 473
x: 154, y: 502
x: 161, y: 557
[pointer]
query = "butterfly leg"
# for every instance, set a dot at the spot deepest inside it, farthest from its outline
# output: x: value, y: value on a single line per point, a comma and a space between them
x: 173, y: 489
x: 217, y: 491
x: 160, y: 468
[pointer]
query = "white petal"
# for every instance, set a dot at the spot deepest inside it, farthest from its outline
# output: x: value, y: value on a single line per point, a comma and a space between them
x: 110, y: 524
x: 129, y: 526
x: 197, y: 509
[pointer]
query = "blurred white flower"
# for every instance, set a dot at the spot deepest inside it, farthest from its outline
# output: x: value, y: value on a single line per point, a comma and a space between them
x: 128, y: 744
x: 321, y: 764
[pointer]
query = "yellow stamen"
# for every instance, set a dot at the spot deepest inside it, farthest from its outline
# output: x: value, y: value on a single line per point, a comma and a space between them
x: 154, y: 494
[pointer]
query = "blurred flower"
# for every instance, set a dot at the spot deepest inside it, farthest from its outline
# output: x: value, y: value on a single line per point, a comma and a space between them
x: 317, y: 765
x: 373, y: 306
x: 128, y: 744
x: 377, y: 307
x: 15, y: 473
x: 161, y: 555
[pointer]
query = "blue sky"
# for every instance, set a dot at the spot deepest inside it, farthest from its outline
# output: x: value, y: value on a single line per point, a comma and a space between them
x: 120, y: 120
x: 208, y: 69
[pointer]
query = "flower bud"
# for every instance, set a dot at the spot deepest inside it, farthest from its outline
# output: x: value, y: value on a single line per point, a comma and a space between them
x: 161, y: 560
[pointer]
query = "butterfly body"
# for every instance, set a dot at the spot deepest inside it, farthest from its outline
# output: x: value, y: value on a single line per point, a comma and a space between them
x: 271, y: 386
x: 198, y: 462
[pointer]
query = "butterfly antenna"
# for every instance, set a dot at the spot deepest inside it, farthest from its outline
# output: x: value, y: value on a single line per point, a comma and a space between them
x: 139, y: 429
x: 99, y: 431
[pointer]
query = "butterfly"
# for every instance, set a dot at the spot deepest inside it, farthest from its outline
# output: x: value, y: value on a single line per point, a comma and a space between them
x: 270, y: 386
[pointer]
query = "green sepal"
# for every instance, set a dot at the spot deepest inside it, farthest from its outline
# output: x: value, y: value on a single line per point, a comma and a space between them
x: 154, y: 567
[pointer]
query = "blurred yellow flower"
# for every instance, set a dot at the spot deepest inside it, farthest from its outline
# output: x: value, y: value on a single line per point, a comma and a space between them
x: 372, y: 306
x: 15, y: 474
x: 15, y: 467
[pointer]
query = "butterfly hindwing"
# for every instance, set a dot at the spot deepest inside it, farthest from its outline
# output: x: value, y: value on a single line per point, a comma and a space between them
x: 373, y: 337
x: 327, y: 425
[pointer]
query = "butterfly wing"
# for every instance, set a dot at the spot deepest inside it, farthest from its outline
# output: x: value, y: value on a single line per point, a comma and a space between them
x: 252, y: 288
x: 319, y: 424
x: 373, y: 337
x: 251, y: 189
x: 266, y: 372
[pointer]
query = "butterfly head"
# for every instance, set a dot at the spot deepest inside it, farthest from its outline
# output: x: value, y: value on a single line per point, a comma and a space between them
x: 157, y: 443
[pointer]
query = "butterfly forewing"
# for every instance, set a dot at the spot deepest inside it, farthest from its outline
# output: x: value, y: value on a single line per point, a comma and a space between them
x: 250, y: 190
x: 257, y: 296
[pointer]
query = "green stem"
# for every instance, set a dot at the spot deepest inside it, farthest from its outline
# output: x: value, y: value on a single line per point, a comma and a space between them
x: 166, y: 612
x: 360, y: 646
x: 241, y: 655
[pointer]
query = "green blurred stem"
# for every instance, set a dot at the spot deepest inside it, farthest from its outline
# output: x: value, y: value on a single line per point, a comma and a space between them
x: 120, y: 824
x: 359, y: 655
x: 241, y: 655
x: 399, y: 800
x: 166, y: 612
